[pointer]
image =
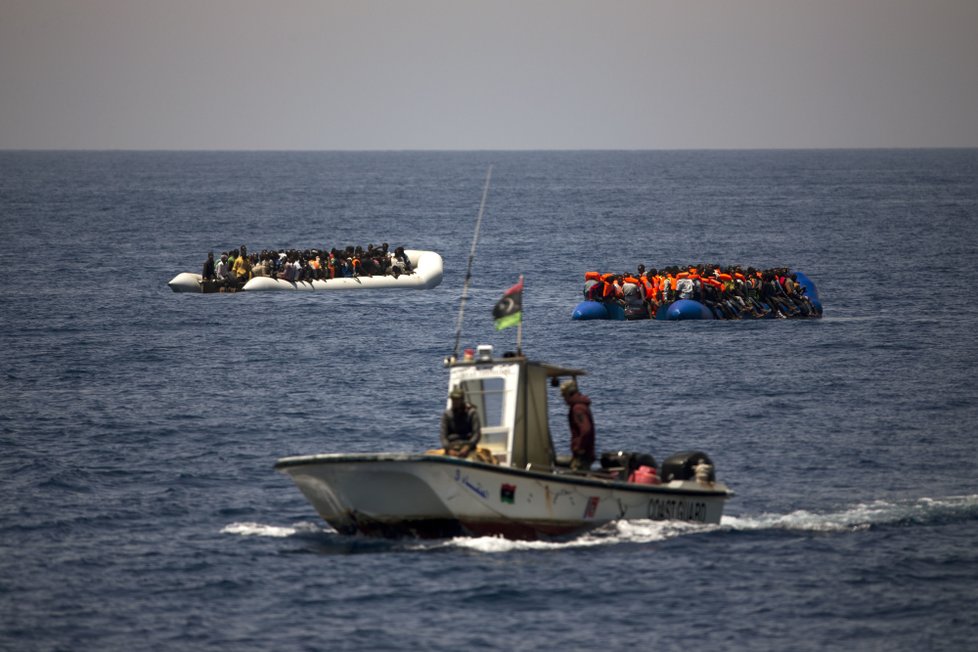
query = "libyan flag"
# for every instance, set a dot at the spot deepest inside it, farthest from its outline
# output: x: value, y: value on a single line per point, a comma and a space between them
x: 508, y: 311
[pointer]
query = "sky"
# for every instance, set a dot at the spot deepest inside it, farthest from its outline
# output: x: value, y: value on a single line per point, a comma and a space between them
x: 487, y: 74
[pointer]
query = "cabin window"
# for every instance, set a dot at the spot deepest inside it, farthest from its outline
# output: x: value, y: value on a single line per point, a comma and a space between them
x: 486, y: 395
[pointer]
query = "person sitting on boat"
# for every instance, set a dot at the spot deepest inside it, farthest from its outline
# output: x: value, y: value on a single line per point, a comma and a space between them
x: 386, y: 258
x: 221, y: 271
x: 400, y: 263
x: 581, y: 426
x: 460, y: 427
x: 241, y: 267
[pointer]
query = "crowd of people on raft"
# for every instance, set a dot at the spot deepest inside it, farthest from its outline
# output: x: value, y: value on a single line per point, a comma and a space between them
x: 236, y: 267
x: 729, y: 291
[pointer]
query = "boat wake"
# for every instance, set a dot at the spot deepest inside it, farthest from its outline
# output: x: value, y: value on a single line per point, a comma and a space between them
x: 635, y: 531
x: 273, y: 531
x: 617, y: 533
x: 921, y: 511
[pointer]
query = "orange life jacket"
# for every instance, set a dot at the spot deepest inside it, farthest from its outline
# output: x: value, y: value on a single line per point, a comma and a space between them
x: 712, y: 282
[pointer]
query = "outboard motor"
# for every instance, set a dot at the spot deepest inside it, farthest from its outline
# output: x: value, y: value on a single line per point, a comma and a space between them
x: 624, y: 463
x: 683, y: 466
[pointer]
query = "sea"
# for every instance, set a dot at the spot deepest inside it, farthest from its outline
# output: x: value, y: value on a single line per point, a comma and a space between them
x: 139, y: 427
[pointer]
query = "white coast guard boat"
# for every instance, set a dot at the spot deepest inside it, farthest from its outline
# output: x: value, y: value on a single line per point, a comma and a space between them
x: 427, y: 274
x: 524, y: 495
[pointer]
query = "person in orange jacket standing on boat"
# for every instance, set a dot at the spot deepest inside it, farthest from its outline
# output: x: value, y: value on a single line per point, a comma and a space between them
x: 581, y: 426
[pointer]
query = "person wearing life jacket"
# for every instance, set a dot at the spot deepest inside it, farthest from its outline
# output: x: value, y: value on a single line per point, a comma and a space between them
x: 649, y: 285
x: 710, y: 293
x: 658, y: 286
x: 732, y: 304
x: 672, y: 281
x: 633, y: 295
x: 591, y: 279
x: 631, y: 286
x: 609, y: 289
x: 645, y: 282
x: 581, y: 423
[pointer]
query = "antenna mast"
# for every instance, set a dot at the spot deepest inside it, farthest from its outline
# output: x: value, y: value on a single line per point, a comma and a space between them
x: 468, y: 272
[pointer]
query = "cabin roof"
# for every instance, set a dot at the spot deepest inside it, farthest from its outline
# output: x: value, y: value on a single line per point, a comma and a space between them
x: 551, y: 370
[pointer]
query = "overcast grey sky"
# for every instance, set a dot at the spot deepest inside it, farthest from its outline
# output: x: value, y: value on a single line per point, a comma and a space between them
x: 503, y: 74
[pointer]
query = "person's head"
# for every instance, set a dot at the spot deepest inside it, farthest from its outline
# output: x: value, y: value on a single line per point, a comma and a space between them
x: 210, y: 255
x: 457, y: 395
x: 568, y: 388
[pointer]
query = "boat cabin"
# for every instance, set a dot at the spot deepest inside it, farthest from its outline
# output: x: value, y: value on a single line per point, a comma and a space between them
x: 510, y: 394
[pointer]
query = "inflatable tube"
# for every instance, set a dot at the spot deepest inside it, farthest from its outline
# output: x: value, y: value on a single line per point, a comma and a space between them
x: 810, y: 291
x: 186, y: 282
x: 427, y: 274
x: 683, y: 309
x: 587, y: 310
x: 806, y: 283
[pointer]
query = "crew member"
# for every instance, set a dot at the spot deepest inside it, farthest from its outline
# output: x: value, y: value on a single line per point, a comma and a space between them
x: 581, y: 426
x: 460, y: 427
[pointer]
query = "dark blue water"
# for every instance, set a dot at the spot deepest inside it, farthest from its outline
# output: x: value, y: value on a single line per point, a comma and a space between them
x: 138, y: 427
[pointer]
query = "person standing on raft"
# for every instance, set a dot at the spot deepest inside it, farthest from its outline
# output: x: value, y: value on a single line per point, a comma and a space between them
x: 460, y: 427
x: 581, y: 426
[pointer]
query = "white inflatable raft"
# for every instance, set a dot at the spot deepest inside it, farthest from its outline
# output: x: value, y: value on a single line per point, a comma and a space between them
x: 427, y: 274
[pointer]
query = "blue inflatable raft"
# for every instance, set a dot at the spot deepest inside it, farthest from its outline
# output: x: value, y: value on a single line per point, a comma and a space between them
x: 680, y: 310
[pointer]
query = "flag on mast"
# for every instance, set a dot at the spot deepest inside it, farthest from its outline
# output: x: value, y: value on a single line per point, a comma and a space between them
x: 508, y: 311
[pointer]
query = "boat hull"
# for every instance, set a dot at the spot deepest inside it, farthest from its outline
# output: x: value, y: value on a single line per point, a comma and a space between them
x: 426, y: 496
